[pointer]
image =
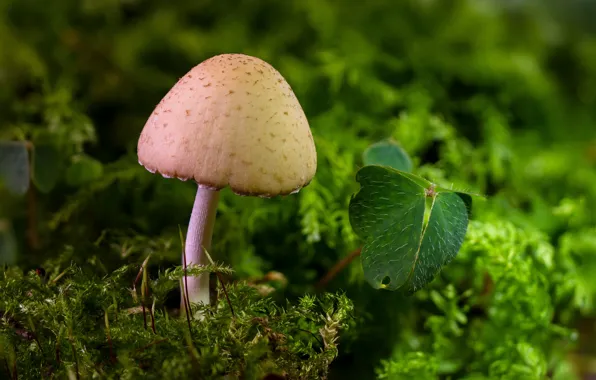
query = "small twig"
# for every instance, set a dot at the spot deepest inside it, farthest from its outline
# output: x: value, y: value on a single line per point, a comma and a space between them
x: 220, y: 278
x: 76, y: 357
x: 134, y: 287
x: 133, y: 310
x: 58, y: 277
x: 185, y: 298
x: 139, y: 275
x: 144, y: 295
x: 152, y: 314
x: 223, y: 286
x: 314, y: 336
x: 185, y: 281
x: 186, y: 305
x: 109, y: 336
x: 144, y: 314
x: 338, y: 268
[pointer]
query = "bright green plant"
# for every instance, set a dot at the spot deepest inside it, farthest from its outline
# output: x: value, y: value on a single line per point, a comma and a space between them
x: 411, y: 227
x: 74, y: 324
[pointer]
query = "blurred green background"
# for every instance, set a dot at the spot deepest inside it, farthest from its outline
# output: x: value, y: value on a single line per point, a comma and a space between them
x: 496, y: 97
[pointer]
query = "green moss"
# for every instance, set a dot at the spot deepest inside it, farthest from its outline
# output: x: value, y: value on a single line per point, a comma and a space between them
x: 87, y: 326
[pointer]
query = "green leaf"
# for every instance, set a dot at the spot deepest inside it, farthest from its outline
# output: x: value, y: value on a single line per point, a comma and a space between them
x: 467, y: 199
x: 47, y: 166
x: 410, y: 230
x: 387, y: 153
x: 465, y: 196
x: 14, y: 166
x: 83, y: 170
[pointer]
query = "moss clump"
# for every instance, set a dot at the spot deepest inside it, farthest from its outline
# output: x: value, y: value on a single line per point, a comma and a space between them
x: 78, y: 325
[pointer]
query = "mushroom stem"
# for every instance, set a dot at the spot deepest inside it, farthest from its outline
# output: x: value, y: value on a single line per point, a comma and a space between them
x: 198, y: 237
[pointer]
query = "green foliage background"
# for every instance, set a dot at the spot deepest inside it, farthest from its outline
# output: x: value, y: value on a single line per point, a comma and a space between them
x: 493, y: 97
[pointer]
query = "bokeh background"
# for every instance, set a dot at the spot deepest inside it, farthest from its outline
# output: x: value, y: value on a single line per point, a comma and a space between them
x: 496, y: 97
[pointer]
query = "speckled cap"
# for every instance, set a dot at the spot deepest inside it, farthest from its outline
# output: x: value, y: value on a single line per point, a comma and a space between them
x: 233, y: 120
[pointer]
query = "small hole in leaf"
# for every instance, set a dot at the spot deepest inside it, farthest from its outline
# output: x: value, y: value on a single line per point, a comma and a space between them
x: 386, y: 281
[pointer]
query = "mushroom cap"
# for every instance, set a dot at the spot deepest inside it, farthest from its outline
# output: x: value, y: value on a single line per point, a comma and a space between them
x: 232, y: 120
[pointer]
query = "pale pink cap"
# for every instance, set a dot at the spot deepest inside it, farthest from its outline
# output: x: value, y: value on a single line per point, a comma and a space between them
x: 233, y: 120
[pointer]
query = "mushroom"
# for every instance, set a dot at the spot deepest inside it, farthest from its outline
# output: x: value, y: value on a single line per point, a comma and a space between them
x: 232, y: 120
